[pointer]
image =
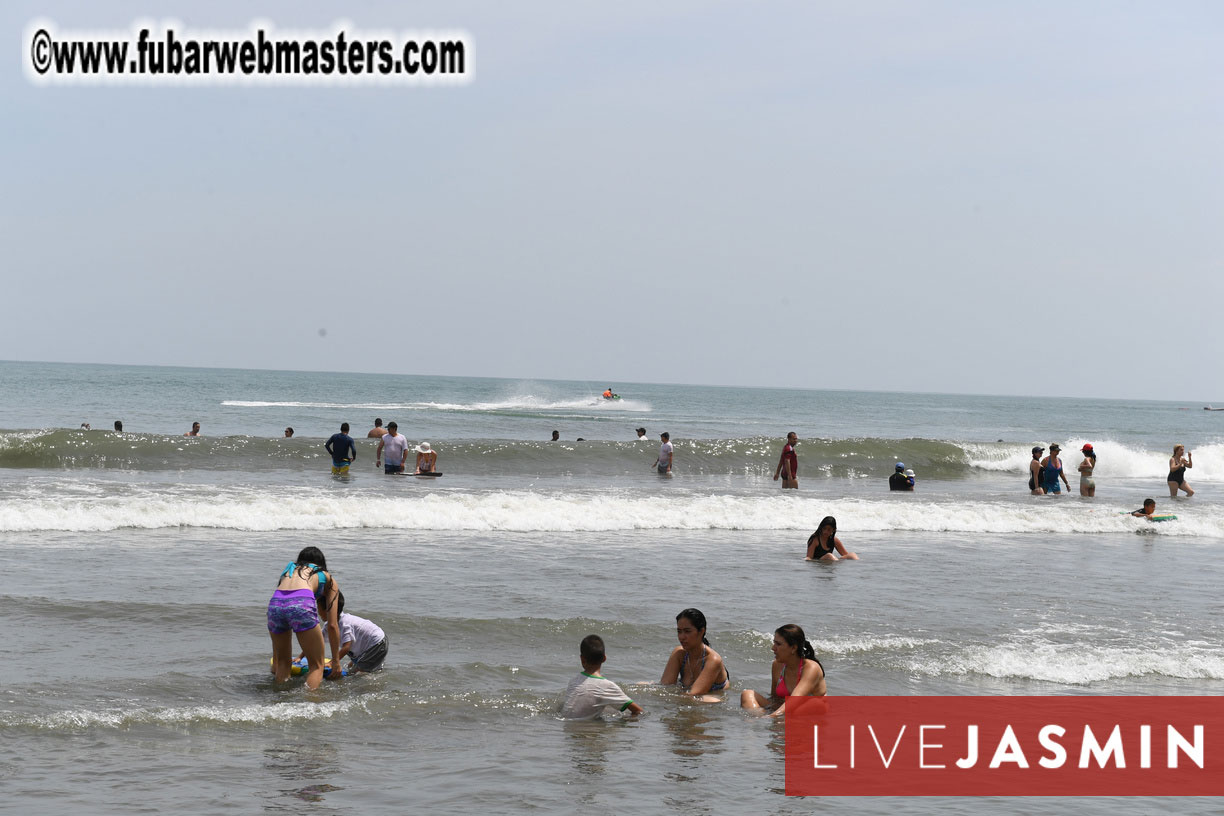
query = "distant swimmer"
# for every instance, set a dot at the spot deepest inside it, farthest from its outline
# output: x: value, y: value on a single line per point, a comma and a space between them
x: 795, y: 673
x: 195, y: 430
x: 666, y: 452
x: 427, y: 458
x: 289, y: 433
x: 119, y: 425
x: 1034, y: 482
x: 788, y: 463
x: 396, y: 446
x: 590, y: 692
x: 900, y: 480
x: 343, y: 450
x: 556, y: 437
x: 85, y: 426
x: 1180, y: 460
x: 1148, y: 510
x: 641, y: 433
x: 377, y: 431
x: 1086, y: 467
x: 693, y: 665
x: 1052, y: 471
x: 824, y: 545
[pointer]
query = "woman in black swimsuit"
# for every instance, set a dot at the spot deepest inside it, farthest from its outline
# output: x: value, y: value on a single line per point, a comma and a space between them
x: 1177, y: 471
x: 822, y: 544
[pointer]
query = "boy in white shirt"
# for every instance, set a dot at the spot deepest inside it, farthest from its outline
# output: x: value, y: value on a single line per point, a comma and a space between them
x: 590, y: 692
x: 363, y: 642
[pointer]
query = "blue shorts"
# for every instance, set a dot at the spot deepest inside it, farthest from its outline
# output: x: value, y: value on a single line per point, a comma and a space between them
x: 293, y: 609
x: 389, y: 468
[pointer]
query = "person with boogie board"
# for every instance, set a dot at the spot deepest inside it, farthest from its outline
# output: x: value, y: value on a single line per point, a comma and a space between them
x: 426, y: 460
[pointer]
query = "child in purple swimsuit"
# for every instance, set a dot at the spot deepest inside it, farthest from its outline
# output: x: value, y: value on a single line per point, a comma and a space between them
x: 304, y: 586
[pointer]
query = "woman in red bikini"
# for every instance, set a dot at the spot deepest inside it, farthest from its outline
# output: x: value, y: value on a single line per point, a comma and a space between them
x: 796, y: 673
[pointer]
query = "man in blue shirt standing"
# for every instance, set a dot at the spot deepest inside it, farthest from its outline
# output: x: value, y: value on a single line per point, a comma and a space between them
x: 342, y: 451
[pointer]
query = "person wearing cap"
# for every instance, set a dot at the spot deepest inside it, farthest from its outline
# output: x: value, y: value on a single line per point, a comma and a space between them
x: 909, y: 475
x: 396, y: 446
x: 1087, y: 483
x: 427, y: 458
x: 641, y: 433
x: 1035, y: 487
x: 1052, y: 471
x: 788, y: 464
x: 664, y: 463
x: 899, y: 481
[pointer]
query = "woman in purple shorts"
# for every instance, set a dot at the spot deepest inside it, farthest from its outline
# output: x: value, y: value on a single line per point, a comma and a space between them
x: 304, y: 586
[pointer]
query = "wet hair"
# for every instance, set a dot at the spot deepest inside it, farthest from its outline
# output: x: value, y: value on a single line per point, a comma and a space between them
x: 339, y: 602
x: 392, y: 426
x: 1176, y: 448
x: 793, y: 635
x: 827, y: 521
x: 1146, y: 502
x: 118, y: 425
x: 344, y: 427
x: 592, y: 650
x: 377, y: 422
x: 694, y: 617
x: 289, y: 431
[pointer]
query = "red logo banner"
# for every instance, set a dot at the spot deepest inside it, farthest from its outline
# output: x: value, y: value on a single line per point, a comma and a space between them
x: 1005, y: 746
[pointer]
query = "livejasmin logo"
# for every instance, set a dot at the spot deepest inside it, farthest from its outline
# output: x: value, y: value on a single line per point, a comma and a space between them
x: 1000, y: 746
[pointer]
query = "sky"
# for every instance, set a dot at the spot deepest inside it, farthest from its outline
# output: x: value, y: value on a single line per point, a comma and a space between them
x: 960, y: 197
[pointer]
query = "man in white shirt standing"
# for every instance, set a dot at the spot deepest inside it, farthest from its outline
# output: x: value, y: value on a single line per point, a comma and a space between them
x: 395, y: 445
x: 664, y: 462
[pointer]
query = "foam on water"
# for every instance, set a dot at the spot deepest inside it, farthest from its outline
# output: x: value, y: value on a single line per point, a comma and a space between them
x: 125, y: 717
x: 1114, y: 460
x: 1078, y: 663
x: 526, y: 511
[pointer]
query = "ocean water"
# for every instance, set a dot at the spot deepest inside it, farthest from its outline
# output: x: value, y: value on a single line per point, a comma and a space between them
x: 138, y: 567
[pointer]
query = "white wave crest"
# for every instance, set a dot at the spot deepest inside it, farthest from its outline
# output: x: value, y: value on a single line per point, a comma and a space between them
x: 1114, y: 460
x: 1077, y: 663
x: 524, y: 511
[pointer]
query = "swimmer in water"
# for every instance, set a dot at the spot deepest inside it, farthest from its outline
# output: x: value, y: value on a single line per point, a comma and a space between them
x: 693, y: 665
x: 824, y: 543
x: 1148, y: 510
x: 1177, y: 471
x: 795, y: 673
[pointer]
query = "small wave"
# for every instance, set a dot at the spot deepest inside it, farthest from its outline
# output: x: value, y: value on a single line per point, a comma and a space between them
x: 251, y: 509
x: 124, y: 717
x: 1078, y: 663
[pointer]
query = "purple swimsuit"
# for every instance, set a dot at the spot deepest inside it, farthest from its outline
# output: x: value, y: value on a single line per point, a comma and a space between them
x: 292, y: 609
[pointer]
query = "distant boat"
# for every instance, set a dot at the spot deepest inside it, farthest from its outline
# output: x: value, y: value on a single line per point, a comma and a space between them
x: 1209, y: 408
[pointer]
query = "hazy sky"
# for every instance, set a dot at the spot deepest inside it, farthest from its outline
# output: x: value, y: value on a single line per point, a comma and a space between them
x: 978, y: 197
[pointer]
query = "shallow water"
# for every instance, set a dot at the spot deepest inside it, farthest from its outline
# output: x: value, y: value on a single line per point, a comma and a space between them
x: 137, y: 587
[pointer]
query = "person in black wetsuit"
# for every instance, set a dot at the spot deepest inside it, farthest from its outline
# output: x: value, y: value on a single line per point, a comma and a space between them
x: 899, y: 481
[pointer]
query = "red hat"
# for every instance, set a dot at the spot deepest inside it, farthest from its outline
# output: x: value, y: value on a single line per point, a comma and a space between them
x: 1087, y: 447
